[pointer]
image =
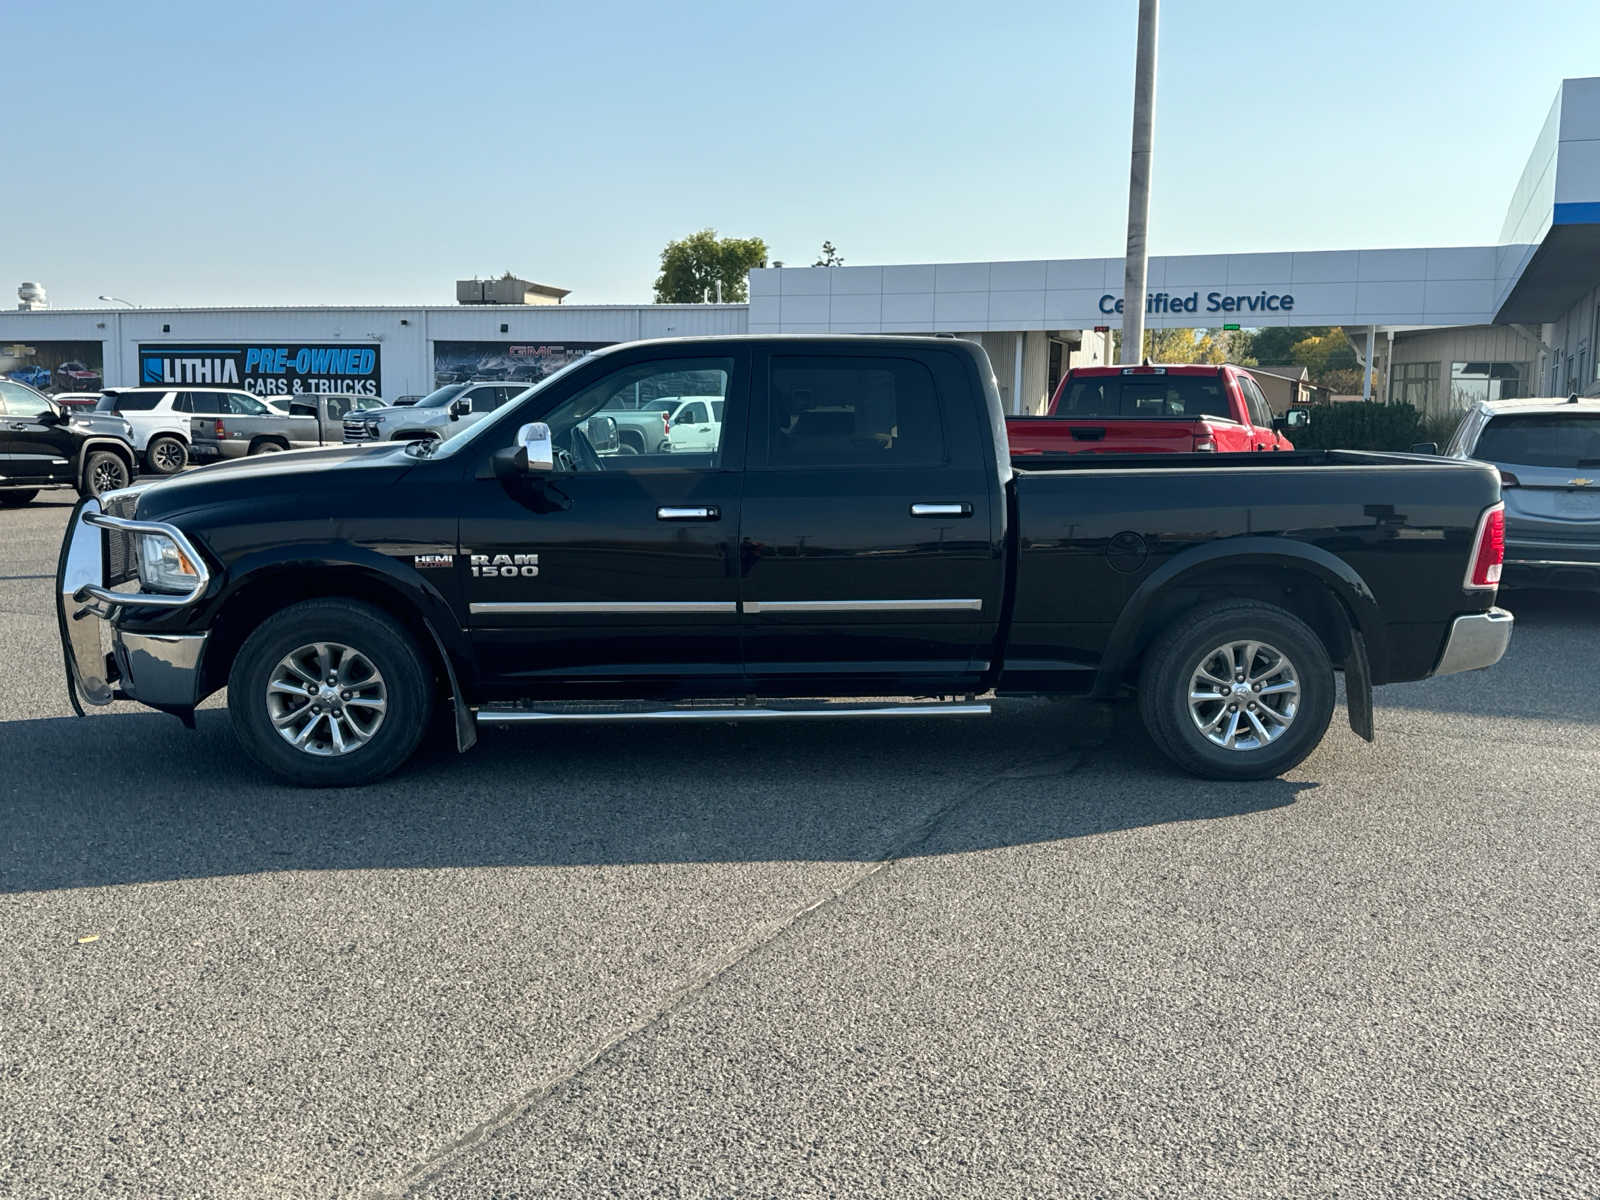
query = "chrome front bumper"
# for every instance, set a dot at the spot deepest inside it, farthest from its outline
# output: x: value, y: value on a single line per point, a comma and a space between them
x: 162, y: 670
x: 1477, y: 640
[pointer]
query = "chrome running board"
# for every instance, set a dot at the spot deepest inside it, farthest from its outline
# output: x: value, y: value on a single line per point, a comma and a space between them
x: 778, y: 710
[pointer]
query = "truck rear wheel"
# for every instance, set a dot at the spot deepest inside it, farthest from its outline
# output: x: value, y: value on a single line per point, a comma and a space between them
x: 1238, y: 690
x: 330, y: 693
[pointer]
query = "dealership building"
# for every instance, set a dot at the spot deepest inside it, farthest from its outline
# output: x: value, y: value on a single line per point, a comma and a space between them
x: 1519, y: 315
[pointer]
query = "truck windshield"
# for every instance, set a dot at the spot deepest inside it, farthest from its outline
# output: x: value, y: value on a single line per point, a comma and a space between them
x: 439, y: 397
x: 1144, y: 396
x: 1542, y: 440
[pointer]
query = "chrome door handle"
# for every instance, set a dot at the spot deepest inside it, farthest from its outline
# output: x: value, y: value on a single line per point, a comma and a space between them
x: 704, y: 512
x: 941, y: 510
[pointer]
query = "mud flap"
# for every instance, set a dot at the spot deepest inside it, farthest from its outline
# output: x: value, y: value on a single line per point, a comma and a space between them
x: 466, y: 724
x: 1358, y: 688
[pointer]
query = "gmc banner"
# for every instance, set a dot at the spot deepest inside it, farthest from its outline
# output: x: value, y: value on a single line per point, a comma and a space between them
x: 277, y: 369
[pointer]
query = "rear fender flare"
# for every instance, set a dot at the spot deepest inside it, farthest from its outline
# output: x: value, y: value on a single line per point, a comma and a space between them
x: 1129, y: 634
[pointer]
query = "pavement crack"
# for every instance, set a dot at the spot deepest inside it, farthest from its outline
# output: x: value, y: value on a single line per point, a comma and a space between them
x: 905, y: 844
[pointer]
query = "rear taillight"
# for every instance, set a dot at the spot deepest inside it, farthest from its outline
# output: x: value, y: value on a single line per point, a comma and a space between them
x: 220, y: 430
x: 1207, y: 445
x: 1488, y: 551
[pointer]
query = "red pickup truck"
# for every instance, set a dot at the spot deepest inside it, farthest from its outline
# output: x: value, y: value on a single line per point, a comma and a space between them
x: 1154, y: 410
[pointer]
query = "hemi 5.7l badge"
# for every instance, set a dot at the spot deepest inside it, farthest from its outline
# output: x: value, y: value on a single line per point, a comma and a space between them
x: 434, y: 560
x: 506, y: 566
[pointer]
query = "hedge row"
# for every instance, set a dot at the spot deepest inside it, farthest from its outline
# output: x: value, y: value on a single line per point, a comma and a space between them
x: 1364, y: 427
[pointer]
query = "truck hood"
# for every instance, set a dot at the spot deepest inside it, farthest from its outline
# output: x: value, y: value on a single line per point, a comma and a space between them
x: 392, y: 410
x: 302, y: 473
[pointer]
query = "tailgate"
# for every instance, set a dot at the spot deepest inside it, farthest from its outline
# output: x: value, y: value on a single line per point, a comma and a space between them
x: 1110, y: 435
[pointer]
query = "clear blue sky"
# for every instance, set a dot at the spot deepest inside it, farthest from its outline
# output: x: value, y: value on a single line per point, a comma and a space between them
x: 189, y: 153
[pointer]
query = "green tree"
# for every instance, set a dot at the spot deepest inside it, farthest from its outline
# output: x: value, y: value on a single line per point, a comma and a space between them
x: 1273, y: 342
x: 1330, y: 351
x: 1179, y: 346
x: 692, y: 267
x: 830, y: 257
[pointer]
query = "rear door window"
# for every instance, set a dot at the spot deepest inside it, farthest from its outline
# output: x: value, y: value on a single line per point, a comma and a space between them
x: 1568, y: 441
x: 1256, y: 402
x: 1145, y: 396
x: 839, y: 411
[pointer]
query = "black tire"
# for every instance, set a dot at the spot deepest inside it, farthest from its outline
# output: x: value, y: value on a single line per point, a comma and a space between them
x: 166, y: 455
x: 104, y: 472
x: 267, y: 446
x: 17, y: 499
x: 1177, y: 654
x: 376, y: 636
x: 630, y: 443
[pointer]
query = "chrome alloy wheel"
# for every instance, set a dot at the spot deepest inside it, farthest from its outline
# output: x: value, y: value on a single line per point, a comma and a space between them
x: 1244, y: 695
x: 326, y: 699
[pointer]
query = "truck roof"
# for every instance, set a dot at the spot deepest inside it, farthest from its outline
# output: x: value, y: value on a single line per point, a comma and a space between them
x: 1156, y: 369
x: 1541, y: 405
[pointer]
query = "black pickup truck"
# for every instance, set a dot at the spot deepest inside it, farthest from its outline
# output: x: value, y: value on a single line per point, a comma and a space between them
x: 858, y: 530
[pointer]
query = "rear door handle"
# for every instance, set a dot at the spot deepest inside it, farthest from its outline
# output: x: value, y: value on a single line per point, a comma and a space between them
x: 703, y: 512
x: 941, y: 510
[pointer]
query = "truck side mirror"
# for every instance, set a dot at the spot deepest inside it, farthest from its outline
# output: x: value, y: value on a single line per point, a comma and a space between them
x: 1425, y: 448
x: 1295, y: 418
x: 461, y: 407
x: 535, y: 452
x: 602, y: 434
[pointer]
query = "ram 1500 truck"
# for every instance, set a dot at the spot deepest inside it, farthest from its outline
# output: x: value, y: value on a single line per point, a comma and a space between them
x: 858, y: 530
x: 1155, y: 410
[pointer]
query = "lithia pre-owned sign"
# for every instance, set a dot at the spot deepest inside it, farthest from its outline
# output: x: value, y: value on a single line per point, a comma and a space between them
x: 276, y: 369
x: 1226, y: 302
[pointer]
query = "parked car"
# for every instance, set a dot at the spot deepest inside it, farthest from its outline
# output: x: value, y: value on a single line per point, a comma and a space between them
x: 161, y: 418
x: 77, y: 377
x: 37, y: 378
x: 436, y: 415
x: 695, y: 425
x: 41, y: 446
x: 407, y: 400
x: 312, y: 419
x: 1155, y: 410
x: 349, y: 400
x: 870, y: 538
x: 78, y: 401
x: 1548, y: 455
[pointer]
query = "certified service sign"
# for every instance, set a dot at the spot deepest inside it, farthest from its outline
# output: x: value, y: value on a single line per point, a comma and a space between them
x: 277, y: 369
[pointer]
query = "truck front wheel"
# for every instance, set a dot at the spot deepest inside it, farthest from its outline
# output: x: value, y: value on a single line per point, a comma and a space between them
x: 1239, y: 690
x: 330, y: 693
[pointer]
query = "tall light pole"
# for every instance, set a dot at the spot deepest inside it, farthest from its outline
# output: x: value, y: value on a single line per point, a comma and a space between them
x: 117, y: 300
x: 1144, y: 115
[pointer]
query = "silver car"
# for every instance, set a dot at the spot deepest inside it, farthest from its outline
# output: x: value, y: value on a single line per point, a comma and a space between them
x: 1548, y: 452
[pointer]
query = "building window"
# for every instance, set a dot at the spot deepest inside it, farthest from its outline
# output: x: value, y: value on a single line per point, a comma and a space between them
x: 1414, y: 384
x: 1471, y: 382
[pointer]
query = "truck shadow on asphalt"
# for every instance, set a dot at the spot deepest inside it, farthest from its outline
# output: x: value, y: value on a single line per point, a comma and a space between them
x: 134, y: 797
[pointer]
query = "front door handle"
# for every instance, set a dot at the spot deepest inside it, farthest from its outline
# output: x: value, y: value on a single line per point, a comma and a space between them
x: 703, y: 512
x: 941, y: 510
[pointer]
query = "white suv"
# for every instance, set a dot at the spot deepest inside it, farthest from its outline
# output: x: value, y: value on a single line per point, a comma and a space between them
x: 159, y: 418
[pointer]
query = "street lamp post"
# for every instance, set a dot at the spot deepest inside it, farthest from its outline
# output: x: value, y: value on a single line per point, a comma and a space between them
x: 117, y: 300
x: 1134, y: 262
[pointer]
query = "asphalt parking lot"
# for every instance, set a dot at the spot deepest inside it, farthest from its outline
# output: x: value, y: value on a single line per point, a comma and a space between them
x: 1014, y: 957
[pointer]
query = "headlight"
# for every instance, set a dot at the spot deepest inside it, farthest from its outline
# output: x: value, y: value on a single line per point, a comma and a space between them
x: 164, y: 567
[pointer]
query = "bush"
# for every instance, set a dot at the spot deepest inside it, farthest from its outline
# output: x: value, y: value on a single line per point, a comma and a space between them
x: 1360, y: 427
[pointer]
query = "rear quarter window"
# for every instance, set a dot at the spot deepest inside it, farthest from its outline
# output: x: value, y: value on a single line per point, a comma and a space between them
x: 135, y: 401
